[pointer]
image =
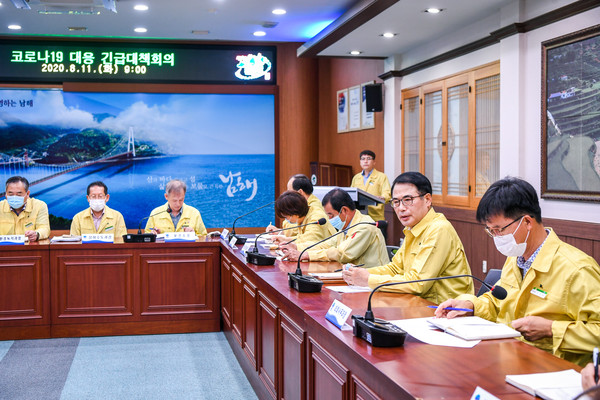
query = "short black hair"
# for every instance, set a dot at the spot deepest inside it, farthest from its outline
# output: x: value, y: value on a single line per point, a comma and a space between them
x: 509, y: 197
x: 301, y: 181
x: 18, y: 179
x: 291, y: 203
x: 339, y: 198
x: 99, y: 184
x: 367, y: 153
x: 420, y: 181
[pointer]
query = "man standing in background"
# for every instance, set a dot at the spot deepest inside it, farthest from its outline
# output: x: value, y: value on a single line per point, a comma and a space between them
x: 374, y: 182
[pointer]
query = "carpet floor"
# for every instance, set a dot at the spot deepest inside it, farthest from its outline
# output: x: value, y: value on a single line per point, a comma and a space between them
x: 181, y: 366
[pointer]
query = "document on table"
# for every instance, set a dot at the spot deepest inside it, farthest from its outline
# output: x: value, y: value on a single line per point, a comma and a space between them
x: 349, y: 289
x: 422, y: 330
x: 550, y: 385
x: 65, y: 238
x: 474, y: 328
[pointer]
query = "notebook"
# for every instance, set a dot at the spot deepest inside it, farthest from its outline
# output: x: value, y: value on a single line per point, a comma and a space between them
x: 474, y: 328
x: 550, y: 385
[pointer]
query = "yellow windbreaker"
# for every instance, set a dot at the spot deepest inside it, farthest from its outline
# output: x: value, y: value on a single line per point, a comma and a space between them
x: 430, y: 249
x: 189, y: 217
x: 363, y: 244
x: 112, y: 222
x: 311, y: 234
x: 34, y: 217
x: 378, y: 185
x: 313, y: 201
x: 571, y: 280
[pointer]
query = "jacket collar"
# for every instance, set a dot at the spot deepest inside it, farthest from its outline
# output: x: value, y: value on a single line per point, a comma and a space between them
x: 422, y: 224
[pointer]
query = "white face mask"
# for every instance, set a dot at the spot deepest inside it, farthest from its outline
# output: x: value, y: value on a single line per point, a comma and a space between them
x: 508, y: 246
x: 97, y: 204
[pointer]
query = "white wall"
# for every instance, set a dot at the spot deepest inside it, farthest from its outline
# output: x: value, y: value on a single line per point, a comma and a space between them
x: 520, y: 91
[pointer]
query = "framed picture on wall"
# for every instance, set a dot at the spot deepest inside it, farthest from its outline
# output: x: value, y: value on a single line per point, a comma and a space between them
x: 354, y: 101
x: 342, y: 110
x: 367, y: 118
x: 571, y: 116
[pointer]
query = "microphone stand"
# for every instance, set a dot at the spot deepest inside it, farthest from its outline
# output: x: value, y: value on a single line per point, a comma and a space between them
x: 140, y: 237
x: 385, y: 334
x: 307, y: 283
x: 242, y: 239
x: 254, y: 257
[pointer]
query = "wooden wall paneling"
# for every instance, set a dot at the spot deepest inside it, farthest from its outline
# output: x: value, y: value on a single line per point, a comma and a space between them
x: 327, y: 377
x: 237, y: 304
x: 226, y: 282
x: 596, y: 254
x: 360, y: 391
x: 267, y: 343
x: 585, y: 245
x: 177, y: 281
x: 24, y: 288
x: 91, y: 288
x: 291, y: 359
x: 324, y: 178
x: 250, y: 334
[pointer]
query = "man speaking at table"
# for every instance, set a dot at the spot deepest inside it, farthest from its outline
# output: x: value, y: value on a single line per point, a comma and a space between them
x: 21, y: 214
x: 362, y: 244
x: 553, y: 288
x: 431, y: 247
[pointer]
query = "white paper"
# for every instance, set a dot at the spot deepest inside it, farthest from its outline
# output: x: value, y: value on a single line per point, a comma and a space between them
x: 327, y: 275
x: 65, y: 238
x: 422, y: 330
x: 550, y: 385
x: 349, y: 289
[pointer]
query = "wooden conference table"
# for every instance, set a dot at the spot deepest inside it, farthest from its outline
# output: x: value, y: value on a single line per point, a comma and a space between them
x: 280, y: 337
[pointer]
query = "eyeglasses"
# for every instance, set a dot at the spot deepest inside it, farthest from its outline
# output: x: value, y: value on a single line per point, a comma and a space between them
x: 366, y: 159
x: 97, y: 197
x: 407, y: 201
x: 493, y: 232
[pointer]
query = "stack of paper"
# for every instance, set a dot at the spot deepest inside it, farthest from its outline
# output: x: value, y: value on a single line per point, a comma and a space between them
x: 65, y: 238
x: 474, y: 328
x: 549, y: 386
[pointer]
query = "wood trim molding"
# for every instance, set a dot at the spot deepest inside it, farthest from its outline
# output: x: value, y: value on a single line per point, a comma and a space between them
x: 497, y: 35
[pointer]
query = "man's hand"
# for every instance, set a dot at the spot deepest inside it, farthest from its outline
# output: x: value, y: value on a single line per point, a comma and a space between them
x: 271, y: 228
x: 155, y: 231
x: 32, y: 235
x: 188, y: 229
x: 587, y: 377
x: 533, y: 328
x: 356, y: 276
x: 293, y: 254
x: 441, y: 311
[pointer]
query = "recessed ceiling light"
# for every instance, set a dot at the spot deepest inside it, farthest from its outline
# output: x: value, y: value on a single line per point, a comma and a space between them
x: 434, y: 10
x: 355, y: 52
x: 77, y: 28
x: 279, y: 11
x: 14, y: 27
x: 260, y: 33
x: 388, y: 35
x: 200, y: 32
x: 141, y: 30
x: 140, y: 7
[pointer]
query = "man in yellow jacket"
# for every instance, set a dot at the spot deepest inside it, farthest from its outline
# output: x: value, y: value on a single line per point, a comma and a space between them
x: 293, y: 207
x: 374, y: 182
x: 98, y: 218
x: 362, y: 244
x: 553, y: 288
x: 431, y: 248
x: 175, y: 215
x: 21, y: 214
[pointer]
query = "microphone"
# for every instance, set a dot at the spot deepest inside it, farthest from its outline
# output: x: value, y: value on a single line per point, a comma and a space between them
x: 241, y: 239
x: 254, y: 257
x: 385, y: 334
x: 140, y: 237
x: 310, y: 284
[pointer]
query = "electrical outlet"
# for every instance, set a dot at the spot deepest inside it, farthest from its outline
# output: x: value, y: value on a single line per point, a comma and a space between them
x: 484, y: 266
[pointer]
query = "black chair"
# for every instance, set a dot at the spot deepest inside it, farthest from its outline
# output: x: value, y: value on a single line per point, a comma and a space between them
x: 491, y: 278
x: 392, y: 251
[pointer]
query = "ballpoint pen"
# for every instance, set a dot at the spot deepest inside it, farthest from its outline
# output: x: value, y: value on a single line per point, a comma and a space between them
x: 595, y: 359
x: 453, y: 308
x: 354, y: 266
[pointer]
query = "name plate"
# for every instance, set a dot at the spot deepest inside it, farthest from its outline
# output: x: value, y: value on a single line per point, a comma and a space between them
x: 247, y: 246
x: 12, y: 239
x: 180, y: 237
x: 97, y: 238
x: 338, y: 313
x: 224, y: 234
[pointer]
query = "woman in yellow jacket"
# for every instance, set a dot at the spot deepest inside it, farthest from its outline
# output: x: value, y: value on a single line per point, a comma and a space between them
x: 294, y: 208
x: 175, y: 215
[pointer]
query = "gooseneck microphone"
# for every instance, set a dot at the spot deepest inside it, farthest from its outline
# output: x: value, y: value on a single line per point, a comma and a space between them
x: 254, y: 257
x: 140, y: 237
x: 310, y: 284
x: 241, y: 239
x: 385, y: 334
